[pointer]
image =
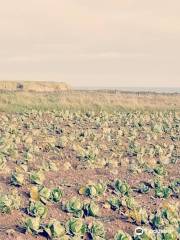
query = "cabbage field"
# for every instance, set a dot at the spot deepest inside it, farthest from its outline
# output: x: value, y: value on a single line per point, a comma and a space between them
x: 97, y: 175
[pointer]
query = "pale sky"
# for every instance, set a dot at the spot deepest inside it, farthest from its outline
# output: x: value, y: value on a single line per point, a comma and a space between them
x: 108, y: 43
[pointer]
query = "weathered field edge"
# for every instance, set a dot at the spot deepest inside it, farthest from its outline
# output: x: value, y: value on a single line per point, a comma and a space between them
x: 34, y: 86
x: 17, y: 101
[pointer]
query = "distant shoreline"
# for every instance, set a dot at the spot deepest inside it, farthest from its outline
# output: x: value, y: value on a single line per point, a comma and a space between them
x: 131, y: 89
x: 124, y: 92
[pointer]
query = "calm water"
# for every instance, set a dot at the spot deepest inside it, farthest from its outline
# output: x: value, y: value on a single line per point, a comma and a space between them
x: 133, y: 89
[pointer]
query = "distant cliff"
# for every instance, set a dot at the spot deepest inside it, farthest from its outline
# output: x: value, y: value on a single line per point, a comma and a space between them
x: 34, y: 86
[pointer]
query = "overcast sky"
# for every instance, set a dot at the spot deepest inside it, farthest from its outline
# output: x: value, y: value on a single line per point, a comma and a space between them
x: 108, y: 43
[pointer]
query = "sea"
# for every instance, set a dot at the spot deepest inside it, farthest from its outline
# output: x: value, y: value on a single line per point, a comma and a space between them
x: 133, y: 89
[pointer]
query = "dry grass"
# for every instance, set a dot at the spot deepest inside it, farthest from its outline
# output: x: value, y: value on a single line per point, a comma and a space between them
x: 36, y: 86
x: 84, y: 100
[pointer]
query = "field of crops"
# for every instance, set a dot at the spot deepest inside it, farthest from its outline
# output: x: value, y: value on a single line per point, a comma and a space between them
x: 90, y: 175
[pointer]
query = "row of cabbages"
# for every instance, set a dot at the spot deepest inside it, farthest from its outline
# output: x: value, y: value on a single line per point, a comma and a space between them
x: 76, y: 228
x: 165, y: 219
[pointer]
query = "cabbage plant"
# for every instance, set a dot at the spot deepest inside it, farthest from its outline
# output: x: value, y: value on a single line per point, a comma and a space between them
x: 143, y: 188
x: 5, y: 204
x: 62, y: 142
x: 138, y: 215
x: 3, y: 162
x: 56, y: 195
x: 128, y: 202
x: 163, y: 192
x: 76, y: 227
x: 156, y: 219
x: 96, y: 230
x: 93, y: 190
x: 9, y: 202
x: 160, y: 170
x: 44, y: 194
x: 169, y: 233
x: 54, y: 229
x: 74, y: 206
x: 175, y: 186
x: 121, y: 235
x: 37, y: 177
x: 17, y: 179
x: 122, y: 187
x: 115, y: 203
x: 32, y: 225
x: 37, y: 209
x: 91, y: 209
